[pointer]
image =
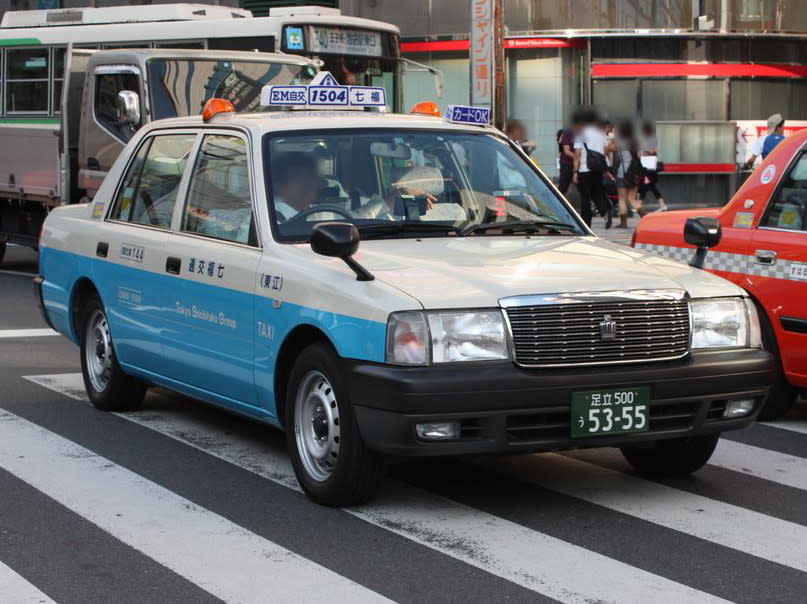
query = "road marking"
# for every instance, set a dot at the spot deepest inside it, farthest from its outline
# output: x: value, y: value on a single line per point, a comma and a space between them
x: 788, y: 470
x: 792, y: 425
x: 18, y: 273
x: 27, y: 333
x: 219, y: 556
x: 529, y: 558
x: 722, y: 523
x: 13, y: 588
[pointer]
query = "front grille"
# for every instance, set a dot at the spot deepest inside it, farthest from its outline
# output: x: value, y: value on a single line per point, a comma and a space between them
x: 572, y: 333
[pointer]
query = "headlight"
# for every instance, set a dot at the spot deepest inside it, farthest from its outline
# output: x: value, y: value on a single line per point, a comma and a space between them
x: 725, y: 323
x: 418, y: 338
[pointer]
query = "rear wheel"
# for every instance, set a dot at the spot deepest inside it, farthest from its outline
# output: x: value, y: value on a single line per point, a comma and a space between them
x: 672, y: 457
x: 330, y: 460
x: 108, y: 388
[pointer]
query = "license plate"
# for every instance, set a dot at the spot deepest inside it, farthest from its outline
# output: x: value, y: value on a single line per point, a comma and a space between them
x: 617, y: 411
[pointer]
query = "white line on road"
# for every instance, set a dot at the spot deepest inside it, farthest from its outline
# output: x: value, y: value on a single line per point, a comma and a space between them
x: 723, y: 523
x: 27, y: 333
x: 219, y: 556
x: 778, y: 467
x: 13, y: 588
x: 786, y: 424
x: 529, y: 558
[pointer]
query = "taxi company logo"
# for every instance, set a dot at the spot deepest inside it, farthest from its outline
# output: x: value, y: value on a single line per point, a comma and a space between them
x: 607, y: 328
x: 767, y: 174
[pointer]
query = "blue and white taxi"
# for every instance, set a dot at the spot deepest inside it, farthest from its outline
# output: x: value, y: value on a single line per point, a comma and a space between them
x: 385, y: 285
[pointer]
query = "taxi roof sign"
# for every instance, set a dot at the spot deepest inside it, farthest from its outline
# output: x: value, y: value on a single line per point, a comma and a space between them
x: 462, y: 114
x: 323, y: 91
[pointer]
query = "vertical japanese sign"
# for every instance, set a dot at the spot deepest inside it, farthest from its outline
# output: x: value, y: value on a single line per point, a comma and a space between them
x: 482, y: 49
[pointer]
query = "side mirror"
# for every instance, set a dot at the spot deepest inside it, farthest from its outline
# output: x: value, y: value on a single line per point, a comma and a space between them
x: 128, y: 106
x: 703, y: 233
x: 339, y: 240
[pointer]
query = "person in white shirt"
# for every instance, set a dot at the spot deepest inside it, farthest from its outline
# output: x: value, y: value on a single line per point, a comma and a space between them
x: 590, y: 166
x: 776, y: 128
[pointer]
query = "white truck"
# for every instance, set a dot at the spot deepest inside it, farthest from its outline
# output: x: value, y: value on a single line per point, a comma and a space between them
x: 59, y: 151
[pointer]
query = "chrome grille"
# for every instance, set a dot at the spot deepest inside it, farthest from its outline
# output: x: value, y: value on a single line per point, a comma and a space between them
x: 574, y: 329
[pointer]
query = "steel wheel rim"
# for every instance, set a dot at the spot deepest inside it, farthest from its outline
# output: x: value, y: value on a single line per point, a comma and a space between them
x: 98, y: 351
x: 316, y: 426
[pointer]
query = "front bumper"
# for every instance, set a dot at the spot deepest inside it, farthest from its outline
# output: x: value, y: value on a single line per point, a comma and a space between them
x: 506, y: 409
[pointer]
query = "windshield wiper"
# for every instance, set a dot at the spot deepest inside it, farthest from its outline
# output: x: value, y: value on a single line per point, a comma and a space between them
x: 369, y: 231
x: 518, y: 225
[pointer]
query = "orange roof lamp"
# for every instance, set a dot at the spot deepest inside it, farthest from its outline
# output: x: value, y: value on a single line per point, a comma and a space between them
x: 215, y: 106
x: 426, y: 108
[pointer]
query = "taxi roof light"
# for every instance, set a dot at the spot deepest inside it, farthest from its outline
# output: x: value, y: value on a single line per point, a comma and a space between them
x: 215, y: 106
x: 426, y: 108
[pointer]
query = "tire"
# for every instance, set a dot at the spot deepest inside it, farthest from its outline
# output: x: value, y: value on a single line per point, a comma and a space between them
x: 672, y: 457
x: 108, y: 388
x: 782, y: 395
x: 330, y: 460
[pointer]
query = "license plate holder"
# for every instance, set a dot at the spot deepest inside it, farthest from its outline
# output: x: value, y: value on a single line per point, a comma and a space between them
x: 610, y: 411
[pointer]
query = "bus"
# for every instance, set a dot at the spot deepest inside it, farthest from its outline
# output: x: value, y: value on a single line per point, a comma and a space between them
x: 356, y: 51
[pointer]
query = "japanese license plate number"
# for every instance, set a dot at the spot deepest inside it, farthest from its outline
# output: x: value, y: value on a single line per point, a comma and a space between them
x: 798, y: 271
x: 617, y: 411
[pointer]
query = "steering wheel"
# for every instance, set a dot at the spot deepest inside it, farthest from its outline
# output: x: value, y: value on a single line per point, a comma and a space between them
x: 325, y: 207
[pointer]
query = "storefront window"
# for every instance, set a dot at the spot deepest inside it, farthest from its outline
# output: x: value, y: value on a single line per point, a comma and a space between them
x: 757, y: 99
x: 615, y: 98
x: 683, y: 99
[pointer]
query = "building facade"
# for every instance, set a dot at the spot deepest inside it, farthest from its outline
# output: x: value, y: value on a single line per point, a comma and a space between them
x: 709, y: 71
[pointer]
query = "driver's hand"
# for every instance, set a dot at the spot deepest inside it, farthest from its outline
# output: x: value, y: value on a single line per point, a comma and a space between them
x: 430, y: 199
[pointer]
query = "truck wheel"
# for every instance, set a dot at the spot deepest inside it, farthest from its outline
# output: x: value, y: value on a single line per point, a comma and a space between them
x: 107, y: 386
x: 781, y: 396
x: 672, y: 457
x: 331, y: 462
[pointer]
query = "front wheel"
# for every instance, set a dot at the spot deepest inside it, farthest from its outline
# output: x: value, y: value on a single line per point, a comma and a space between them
x: 672, y: 457
x: 330, y: 460
x: 108, y: 388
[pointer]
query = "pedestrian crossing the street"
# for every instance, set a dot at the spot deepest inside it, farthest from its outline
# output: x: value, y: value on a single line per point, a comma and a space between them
x: 212, y: 499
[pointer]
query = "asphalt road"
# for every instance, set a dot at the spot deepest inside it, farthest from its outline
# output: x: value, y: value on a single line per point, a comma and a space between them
x: 181, y: 503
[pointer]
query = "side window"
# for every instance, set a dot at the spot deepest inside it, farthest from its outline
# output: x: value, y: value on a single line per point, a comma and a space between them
x: 107, y: 87
x: 219, y: 201
x: 27, y: 78
x: 788, y: 208
x: 149, y: 188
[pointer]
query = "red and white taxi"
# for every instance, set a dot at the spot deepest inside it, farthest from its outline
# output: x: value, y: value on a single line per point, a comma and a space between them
x: 763, y: 248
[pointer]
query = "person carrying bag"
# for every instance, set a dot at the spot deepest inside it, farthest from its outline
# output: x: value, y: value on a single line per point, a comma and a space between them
x: 590, y: 167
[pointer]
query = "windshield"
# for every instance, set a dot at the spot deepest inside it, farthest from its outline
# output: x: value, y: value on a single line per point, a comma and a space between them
x: 180, y: 87
x: 407, y: 184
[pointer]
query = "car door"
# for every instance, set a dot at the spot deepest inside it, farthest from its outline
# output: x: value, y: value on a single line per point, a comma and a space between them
x: 777, y: 272
x: 214, y: 253
x: 131, y: 275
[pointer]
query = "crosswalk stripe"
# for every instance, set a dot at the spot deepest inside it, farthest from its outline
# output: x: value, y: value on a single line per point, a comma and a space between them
x: 529, y: 558
x: 788, y: 470
x: 27, y: 333
x: 787, y: 424
x: 222, y: 558
x: 15, y: 589
x: 715, y: 521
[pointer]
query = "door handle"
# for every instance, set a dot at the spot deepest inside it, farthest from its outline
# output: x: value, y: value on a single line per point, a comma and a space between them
x: 766, y: 257
x: 172, y: 265
x: 102, y: 249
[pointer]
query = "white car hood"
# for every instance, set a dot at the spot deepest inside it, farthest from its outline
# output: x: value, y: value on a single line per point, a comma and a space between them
x: 477, y: 271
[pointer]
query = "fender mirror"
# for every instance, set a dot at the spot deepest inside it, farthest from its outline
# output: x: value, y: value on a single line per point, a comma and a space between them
x: 703, y: 233
x: 339, y: 240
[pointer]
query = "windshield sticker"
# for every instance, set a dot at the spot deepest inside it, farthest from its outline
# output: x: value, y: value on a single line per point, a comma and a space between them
x: 743, y: 220
x: 133, y: 253
x: 767, y: 174
x: 271, y: 282
x: 98, y: 209
x: 205, y: 268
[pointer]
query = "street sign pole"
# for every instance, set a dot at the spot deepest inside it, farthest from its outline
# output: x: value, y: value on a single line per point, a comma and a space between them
x: 499, y: 89
x: 482, y: 53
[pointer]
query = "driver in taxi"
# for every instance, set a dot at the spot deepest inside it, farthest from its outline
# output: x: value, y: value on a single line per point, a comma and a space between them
x: 297, y: 184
